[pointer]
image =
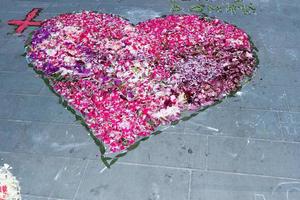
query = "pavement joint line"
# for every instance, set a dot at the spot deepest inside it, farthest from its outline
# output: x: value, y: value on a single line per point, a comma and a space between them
x: 41, y: 90
x: 81, y: 180
x: 15, y: 72
x: 154, y: 166
x: 278, y: 117
x: 46, y: 155
x: 256, y: 139
x: 206, y: 154
x: 292, y: 112
x: 38, y: 196
x: 16, y: 12
x: 248, y: 108
x: 39, y: 121
x: 158, y: 166
x: 280, y: 85
x: 287, y: 103
x: 201, y: 170
x: 26, y: 94
x: 190, y: 184
x: 21, y: 12
x: 280, y: 124
x: 248, y: 174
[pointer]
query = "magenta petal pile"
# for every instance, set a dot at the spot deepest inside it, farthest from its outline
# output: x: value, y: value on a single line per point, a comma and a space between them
x: 127, y: 80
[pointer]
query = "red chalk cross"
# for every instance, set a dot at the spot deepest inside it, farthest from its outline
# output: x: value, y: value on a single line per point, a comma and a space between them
x: 23, y: 24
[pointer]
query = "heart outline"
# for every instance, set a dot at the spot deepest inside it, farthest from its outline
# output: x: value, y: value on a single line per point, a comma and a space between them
x: 110, y: 160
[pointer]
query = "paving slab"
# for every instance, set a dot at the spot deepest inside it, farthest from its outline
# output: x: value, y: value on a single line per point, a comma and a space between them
x: 22, y: 5
x: 293, y: 98
x: 290, y: 125
x: 174, y: 150
x: 11, y: 51
x: 222, y: 121
x: 254, y: 156
x: 12, y: 133
x: 129, y: 182
x: 261, y: 97
x: 45, y: 176
x: 59, y: 140
x: 222, y: 186
x: 275, y: 76
x: 20, y: 83
x: 281, y: 57
x: 31, y: 107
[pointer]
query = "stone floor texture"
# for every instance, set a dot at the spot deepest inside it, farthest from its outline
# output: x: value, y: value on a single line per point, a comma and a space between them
x: 246, y: 148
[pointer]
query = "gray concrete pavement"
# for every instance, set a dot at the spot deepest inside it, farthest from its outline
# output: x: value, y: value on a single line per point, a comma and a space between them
x: 246, y: 148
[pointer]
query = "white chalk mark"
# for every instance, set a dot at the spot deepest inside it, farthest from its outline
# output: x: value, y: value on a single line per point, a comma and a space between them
x: 283, y: 95
x: 58, y: 174
x: 289, y: 190
x: 292, y: 54
x: 248, y: 141
x: 285, y: 188
x: 213, y: 129
x: 234, y: 155
x: 259, y: 197
x: 61, y: 147
x: 239, y: 93
x: 209, y: 127
x: 155, y: 190
x: 102, y: 170
x: 279, y: 185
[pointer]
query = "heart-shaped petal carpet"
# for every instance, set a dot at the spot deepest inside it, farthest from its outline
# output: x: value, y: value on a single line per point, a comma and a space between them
x: 123, y: 81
